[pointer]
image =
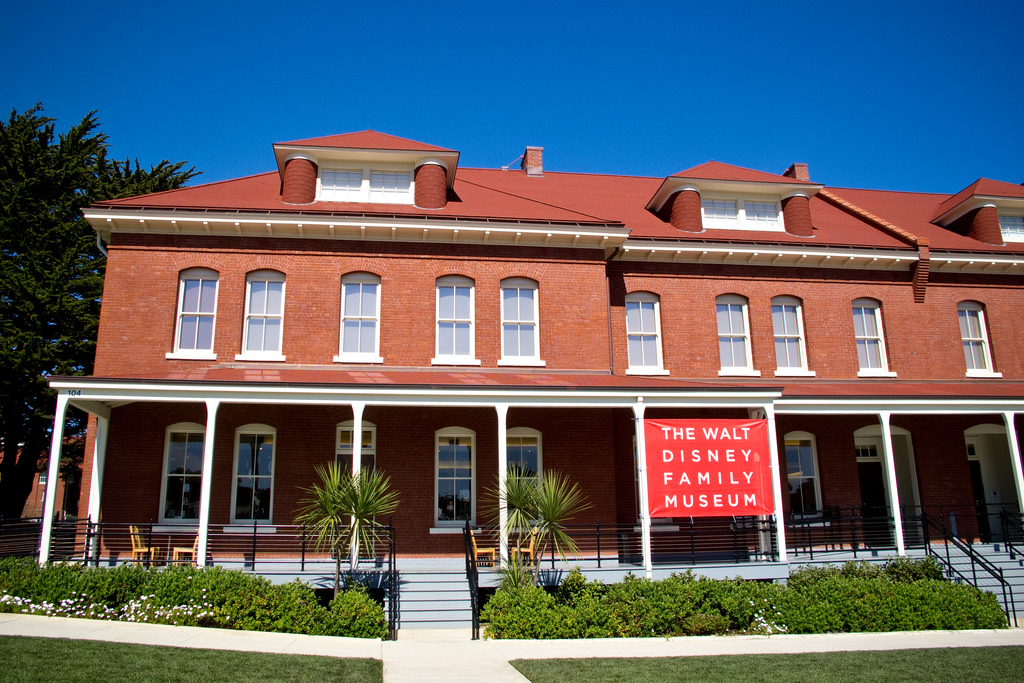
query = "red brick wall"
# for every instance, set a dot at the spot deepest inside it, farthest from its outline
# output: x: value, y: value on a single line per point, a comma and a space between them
x: 431, y: 190
x: 140, y: 297
x: 922, y: 339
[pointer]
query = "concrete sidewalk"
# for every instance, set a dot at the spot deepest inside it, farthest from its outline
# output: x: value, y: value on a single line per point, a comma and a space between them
x: 448, y: 656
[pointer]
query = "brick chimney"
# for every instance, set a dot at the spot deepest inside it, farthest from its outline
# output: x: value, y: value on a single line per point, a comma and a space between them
x: 533, y: 161
x: 798, y: 171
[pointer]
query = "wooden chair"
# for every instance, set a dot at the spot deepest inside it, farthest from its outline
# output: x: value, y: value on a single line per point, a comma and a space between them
x: 481, y: 554
x: 530, y: 549
x: 178, y: 554
x: 140, y: 551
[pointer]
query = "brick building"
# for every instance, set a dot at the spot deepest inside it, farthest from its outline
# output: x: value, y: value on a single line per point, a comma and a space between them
x: 465, y: 320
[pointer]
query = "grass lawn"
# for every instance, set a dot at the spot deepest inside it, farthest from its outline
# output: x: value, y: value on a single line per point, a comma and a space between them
x: 977, y: 665
x: 56, y: 659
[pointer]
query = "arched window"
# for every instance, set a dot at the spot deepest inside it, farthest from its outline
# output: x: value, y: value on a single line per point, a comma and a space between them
x: 360, y: 319
x: 788, y: 328
x: 253, y: 491
x: 520, y: 340
x: 264, y: 316
x: 734, y: 336
x: 454, y: 344
x: 455, y: 480
x: 183, y: 472
x: 643, y: 334
x: 197, y: 314
x: 974, y: 337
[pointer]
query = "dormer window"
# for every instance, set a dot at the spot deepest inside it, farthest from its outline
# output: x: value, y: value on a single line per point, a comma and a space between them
x: 1012, y: 228
x: 740, y: 214
x: 365, y: 185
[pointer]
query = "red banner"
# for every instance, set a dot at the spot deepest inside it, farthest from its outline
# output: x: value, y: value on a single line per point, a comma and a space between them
x: 708, y: 468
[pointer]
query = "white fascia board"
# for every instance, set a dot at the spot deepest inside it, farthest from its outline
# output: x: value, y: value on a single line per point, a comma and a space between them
x: 869, y: 406
x: 355, y: 227
x: 976, y: 202
x: 769, y: 255
x: 995, y: 264
x: 87, y: 392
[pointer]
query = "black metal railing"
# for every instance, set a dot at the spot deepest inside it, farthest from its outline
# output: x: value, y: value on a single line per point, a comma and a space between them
x: 473, y: 578
x: 393, y: 585
x: 963, y: 563
x: 20, y: 537
x: 1012, y: 524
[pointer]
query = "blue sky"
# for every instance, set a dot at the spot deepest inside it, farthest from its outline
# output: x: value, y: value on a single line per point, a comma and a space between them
x: 920, y: 96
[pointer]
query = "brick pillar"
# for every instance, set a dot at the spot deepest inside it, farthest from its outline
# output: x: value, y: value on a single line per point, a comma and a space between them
x: 796, y: 212
x: 685, y: 213
x: 431, y: 189
x: 299, y: 185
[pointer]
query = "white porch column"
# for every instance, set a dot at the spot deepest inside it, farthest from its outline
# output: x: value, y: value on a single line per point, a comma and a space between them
x: 641, y: 465
x: 357, y: 438
x: 1018, y: 476
x: 207, y: 482
x: 890, y: 479
x: 51, y: 478
x: 99, y: 457
x: 773, y: 455
x: 502, y: 411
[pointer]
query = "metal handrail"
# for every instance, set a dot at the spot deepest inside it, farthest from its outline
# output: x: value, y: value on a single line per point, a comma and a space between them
x: 1013, y: 532
x: 473, y: 578
x: 976, y: 560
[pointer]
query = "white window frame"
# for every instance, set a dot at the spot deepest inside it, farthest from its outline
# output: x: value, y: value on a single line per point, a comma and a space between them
x: 253, y: 430
x: 731, y: 301
x: 343, y: 450
x: 1011, y: 226
x: 529, y: 325
x: 361, y: 280
x: 740, y: 213
x: 201, y: 275
x: 968, y: 310
x: 189, y: 429
x: 640, y: 301
x: 815, y: 478
x: 372, y: 184
x: 861, y: 307
x: 265, y: 277
x: 453, y: 525
x: 789, y: 336
x: 455, y: 282
x: 520, y: 433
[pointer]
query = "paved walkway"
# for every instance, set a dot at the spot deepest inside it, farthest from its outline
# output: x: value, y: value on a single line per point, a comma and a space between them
x: 449, y: 655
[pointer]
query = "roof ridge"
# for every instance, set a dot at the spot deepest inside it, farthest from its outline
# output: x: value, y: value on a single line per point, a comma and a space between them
x: 878, y: 222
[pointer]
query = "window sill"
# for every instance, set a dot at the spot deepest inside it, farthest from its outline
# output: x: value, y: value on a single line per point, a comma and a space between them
x: 875, y: 373
x: 794, y: 372
x: 261, y: 357
x: 243, y: 528
x: 449, y: 360
x: 191, y: 355
x: 169, y: 526
x: 358, y: 359
x: 523, y: 362
x: 738, y: 372
x: 646, y: 371
x: 986, y: 374
x: 448, y: 529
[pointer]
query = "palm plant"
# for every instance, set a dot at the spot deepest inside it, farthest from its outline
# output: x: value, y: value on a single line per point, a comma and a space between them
x: 341, y: 510
x: 538, y: 509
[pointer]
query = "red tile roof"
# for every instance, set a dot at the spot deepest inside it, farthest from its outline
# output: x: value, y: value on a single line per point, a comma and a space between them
x: 981, y: 186
x: 367, y: 139
x: 716, y: 170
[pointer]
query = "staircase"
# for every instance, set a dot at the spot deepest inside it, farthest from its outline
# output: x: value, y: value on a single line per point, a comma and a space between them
x: 998, y: 555
x: 433, y: 598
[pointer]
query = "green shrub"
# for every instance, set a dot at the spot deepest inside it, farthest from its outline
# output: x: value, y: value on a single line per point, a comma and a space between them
x: 355, y: 614
x: 907, y: 570
x: 706, y: 625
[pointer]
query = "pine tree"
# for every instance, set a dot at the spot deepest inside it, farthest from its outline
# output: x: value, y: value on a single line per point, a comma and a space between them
x: 51, y: 275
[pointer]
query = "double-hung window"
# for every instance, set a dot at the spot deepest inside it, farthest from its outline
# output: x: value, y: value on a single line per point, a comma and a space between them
x: 367, y: 450
x: 643, y: 334
x: 1012, y: 228
x: 252, y: 496
x: 801, y: 468
x: 455, y: 334
x: 520, y: 342
x: 788, y: 328
x: 341, y: 185
x: 455, y: 480
x: 522, y: 451
x: 197, y: 315
x: 741, y: 214
x: 264, y: 316
x: 183, y: 472
x: 389, y: 187
x: 360, y: 319
x: 734, y: 348
x: 868, y: 334
x: 974, y: 337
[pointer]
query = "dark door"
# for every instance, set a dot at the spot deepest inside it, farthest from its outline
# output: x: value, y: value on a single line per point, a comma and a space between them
x: 978, y: 487
x: 874, y: 508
